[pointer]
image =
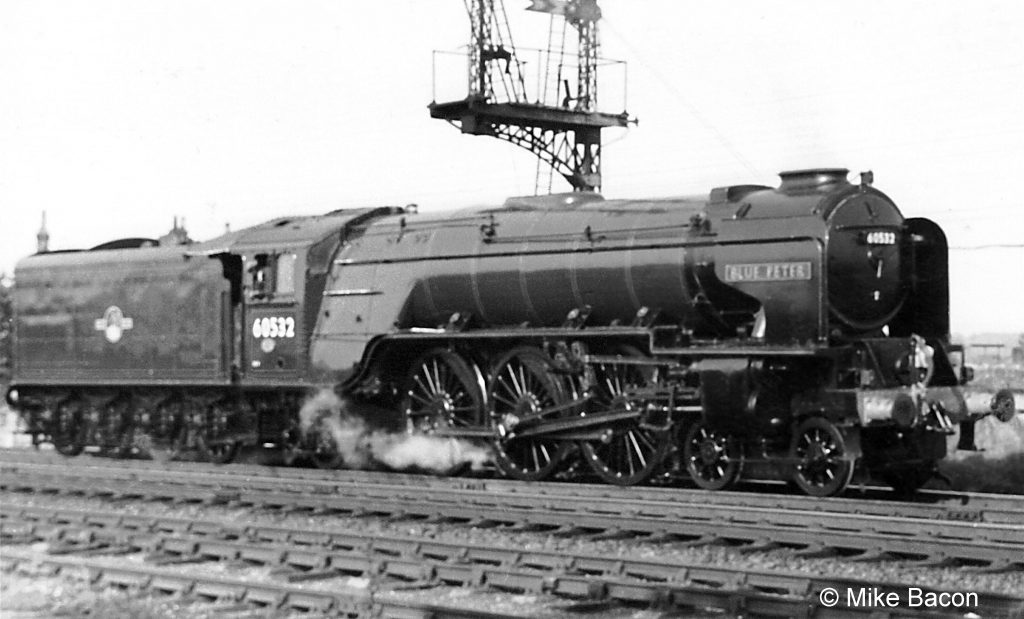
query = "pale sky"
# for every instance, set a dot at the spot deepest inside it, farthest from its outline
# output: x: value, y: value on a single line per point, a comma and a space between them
x: 116, y: 115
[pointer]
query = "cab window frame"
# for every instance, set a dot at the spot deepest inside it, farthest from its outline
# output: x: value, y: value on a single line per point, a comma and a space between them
x: 268, y: 271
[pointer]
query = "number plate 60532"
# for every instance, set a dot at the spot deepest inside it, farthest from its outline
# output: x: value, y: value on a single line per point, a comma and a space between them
x: 274, y: 326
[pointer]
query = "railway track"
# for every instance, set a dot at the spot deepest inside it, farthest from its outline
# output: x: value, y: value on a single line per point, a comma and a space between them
x: 394, y: 562
x: 845, y: 534
x: 929, y: 504
x: 223, y: 595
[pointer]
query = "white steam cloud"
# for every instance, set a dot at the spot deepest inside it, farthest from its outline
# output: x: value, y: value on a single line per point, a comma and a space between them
x: 363, y: 447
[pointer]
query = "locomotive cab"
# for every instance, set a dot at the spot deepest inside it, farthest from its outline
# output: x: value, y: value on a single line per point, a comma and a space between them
x: 273, y: 327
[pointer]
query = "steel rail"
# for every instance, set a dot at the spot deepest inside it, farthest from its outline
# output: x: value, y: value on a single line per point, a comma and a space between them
x: 854, y: 536
x: 305, y: 555
x: 939, y: 505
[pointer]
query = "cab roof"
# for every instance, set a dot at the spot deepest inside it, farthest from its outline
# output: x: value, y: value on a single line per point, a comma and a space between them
x: 291, y: 232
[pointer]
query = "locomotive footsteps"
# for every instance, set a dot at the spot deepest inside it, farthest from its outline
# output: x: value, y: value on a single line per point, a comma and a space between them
x: 338, y: 435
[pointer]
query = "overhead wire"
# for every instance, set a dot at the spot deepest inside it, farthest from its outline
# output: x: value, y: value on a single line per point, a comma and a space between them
x: 690, y: 107
x: 988, y: 246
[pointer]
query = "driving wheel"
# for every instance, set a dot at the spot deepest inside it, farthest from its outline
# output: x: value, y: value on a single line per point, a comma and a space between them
x: 441, y: 391
x: 520, y: 390
x: 632, y: 451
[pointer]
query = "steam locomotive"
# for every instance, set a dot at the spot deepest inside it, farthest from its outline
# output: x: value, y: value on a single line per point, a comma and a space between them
x: 800, y: 332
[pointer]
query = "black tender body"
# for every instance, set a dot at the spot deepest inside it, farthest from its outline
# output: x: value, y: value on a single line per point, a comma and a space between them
x: 799, y: 331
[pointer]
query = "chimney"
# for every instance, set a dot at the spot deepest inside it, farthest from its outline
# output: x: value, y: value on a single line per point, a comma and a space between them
x: 43, y: 238
x: 816, y: 179
x: 177, y: 236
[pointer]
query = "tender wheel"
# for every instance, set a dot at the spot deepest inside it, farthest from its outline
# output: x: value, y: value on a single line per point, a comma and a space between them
x: 129, y: 443
x: 220, y: 452
x: 521, y: 386
x: 635, y: 449
x: 712, y: 459
x: 166, y: 438
x: 292, y: 448
x: 68, y: 429
x: 116, y: 436
x: 821, y: 466
x: 167, y: 449
x: 441, y: 391
x: 217, y: 423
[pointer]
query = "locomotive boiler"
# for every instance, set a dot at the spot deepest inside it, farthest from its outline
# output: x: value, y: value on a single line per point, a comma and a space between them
x: 799, y: 332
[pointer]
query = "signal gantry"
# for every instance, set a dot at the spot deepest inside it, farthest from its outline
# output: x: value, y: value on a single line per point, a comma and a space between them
x: 561, y: 126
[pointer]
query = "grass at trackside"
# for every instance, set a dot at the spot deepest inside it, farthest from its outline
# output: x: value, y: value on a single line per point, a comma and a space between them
x: 1000, y: 467
x: 997, y: 376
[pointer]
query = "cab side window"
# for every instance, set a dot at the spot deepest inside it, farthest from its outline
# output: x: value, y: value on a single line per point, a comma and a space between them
x: 284, y: 280
x: 260, y: 274
x: 271, y: 275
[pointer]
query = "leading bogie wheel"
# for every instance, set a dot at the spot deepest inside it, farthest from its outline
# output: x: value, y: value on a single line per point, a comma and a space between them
x: 712, y: 458
x: 442, y: 390
x: 632, y: 451
x: 821, y: 465
x: 522, y: 386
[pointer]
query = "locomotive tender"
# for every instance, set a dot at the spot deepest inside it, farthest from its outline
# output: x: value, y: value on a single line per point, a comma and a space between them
x: 799, y: 331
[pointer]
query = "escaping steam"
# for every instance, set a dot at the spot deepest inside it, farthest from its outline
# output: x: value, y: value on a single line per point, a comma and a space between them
x: 364, y: 447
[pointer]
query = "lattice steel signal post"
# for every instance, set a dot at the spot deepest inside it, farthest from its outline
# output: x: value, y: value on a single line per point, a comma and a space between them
x: 559, y: 125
